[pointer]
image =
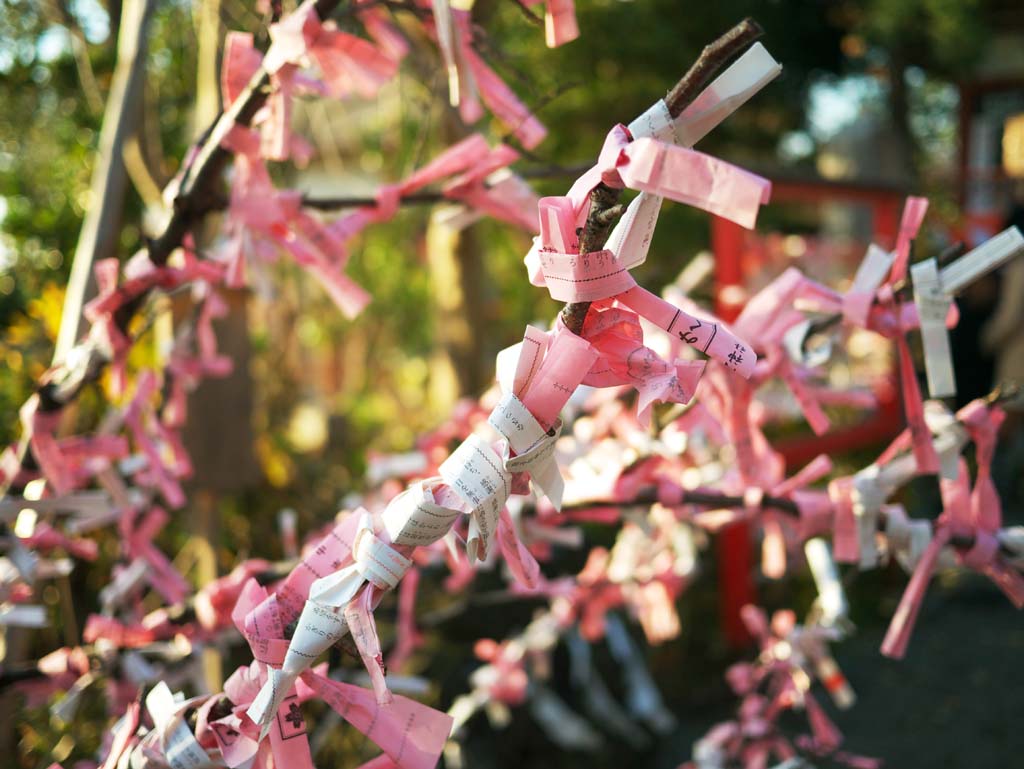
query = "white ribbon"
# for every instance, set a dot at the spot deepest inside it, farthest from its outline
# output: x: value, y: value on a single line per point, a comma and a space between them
x: 477, y: 474
x: 534, y: 446
x: 322, y: 622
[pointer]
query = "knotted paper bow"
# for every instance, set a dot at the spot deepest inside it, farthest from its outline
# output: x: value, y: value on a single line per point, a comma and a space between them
x: 574, y: 277
x: 157, y: 443
x: 631, y: 237
x: 966, y: 514
x: 367, y: 559
x: 784, y: 660
x: 468, y: 163
x: 538, y: 376
x: 410, y: 734
x: 258, y: 208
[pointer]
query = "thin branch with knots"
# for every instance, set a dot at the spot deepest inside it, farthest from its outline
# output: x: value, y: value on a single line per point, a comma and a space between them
x: 605, y: 209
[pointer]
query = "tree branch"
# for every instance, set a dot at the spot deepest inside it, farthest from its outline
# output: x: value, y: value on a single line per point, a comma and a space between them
x: 76, y: 366
x: 604, y: 200
x: 109, y: 179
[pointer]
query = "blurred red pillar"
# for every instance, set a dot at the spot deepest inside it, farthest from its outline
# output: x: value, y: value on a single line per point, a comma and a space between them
x: 735, y: 575
x: 735, y: 560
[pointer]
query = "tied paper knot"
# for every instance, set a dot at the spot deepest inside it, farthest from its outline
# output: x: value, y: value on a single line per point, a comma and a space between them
x: 787, y: 651
x: 477, y: 474
x: 41, y: 427
x: 376, y: 561
x: 982, y: 423
x: 584, y: 277
x: 330, y: 606
x: 616, y: 334
x: 388, y: 197
x: 602, y: 276
x: 957, y: 520
x: 533, y: 447
x: 504, y: 676
x: 677, y: 173
x: 632, y: 235
x: 410, y: 734
x: 982, y: 554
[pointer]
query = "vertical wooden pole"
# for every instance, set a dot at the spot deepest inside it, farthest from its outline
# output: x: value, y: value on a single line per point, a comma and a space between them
x: 205, y: 499
x: 735, y: 561
x: 121, y: 117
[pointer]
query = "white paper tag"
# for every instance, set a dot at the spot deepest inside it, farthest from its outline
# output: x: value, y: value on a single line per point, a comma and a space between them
x: 631, y: 238
x: 932, y: 307
x: 513, y: 420
x: 23, y: 615
x: 872, y: 270
x: 868, y: 497
x: 24, y: 560
x: 477, y: 474
x: 180, y: 746
x: 414, y: 518
x: 67, y: 706
x: 655, y: 122
x: 125, y: 583
x: 831, y: 597
x: 378, y: 562
x: 728, y: 92
x: 534, y: 447
x: 990, y: 255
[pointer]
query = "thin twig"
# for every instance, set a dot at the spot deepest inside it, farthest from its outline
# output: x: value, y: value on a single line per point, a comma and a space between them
x: 901, y: 289
x: 1002, y: 393
x: 426, y: 197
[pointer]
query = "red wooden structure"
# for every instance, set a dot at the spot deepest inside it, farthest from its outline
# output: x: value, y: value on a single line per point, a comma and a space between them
x: 735, y: 557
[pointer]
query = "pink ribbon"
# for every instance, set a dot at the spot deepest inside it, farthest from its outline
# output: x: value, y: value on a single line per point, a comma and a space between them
x: 616, y: 335
x: 412, y: 735
x: 961, y: 517
x: 504, y: 675
x: 138, y: 417
x: 485, y: 83
x: 573, y: 277
x: 469, y: 161
x: 560, y: 25
x: 41, y: 428
x: 137, y: 539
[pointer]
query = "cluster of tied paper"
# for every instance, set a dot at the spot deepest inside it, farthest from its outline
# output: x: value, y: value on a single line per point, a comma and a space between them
x: 468, y: 507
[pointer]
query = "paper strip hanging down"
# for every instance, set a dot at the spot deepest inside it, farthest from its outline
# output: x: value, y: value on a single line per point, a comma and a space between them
x: 872, y: 271
x: 631, y: 237
x: 831, y: 597
x: 322, y: 622
x: 477, y: 474
x: 932, y: 307
x: 933, y: 293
